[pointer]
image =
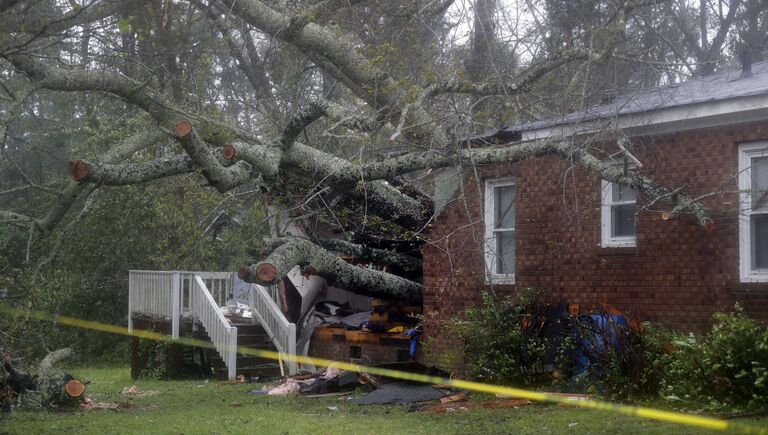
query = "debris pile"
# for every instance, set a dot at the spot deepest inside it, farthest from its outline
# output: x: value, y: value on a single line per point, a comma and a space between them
x: 379, y: 390
x: 391, y: 316
x: 328, y: 381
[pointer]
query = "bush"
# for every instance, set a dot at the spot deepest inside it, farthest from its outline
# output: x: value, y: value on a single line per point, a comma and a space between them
x: 508, y: 342
x: 726, y: 368
x: 497, y: 346
x: 636, y: 371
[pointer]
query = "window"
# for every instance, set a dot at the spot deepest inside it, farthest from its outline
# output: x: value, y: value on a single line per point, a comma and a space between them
x: 753, y: 221
x: 500, y: 231
x: 618, y: 215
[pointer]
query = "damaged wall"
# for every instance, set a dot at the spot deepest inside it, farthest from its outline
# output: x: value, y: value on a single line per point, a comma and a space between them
x: 359, y: 346
x: 678, y: 274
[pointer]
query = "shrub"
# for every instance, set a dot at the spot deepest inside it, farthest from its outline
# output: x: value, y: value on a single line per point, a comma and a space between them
x: 522, y: 342
x: 728, y: 367
x: 497, y: 347
x: 637, y: 370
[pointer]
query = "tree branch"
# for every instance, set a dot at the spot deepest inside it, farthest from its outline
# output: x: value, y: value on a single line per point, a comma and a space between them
x: 403, y: 261
x: 129, y: 173
x: 514, y: 152
x: 340, y: 58
x: 221, y: 177
x: 160, y: 107
x: 67, y: 198
x: 76, y: 17
x: 263, y: 159
x: 334, y: 270
x: 301, y: 161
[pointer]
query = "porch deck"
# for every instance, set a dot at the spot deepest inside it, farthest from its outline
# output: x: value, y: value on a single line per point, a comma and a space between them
x: 200, y: 296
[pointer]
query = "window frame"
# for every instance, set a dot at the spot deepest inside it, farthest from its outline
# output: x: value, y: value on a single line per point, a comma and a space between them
x: 489, y: 216
x: 606, y: 221
x: 746, y: 153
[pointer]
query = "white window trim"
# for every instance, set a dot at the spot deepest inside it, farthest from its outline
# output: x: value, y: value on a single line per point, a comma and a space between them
x: 490, y: 233
x: 606, y: 240
x: 746, y: 152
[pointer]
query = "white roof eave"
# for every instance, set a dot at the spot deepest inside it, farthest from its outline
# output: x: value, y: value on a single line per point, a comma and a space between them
x: 665, y: 120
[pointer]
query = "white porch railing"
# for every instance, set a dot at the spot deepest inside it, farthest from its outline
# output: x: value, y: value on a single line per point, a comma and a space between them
x: 155, y: 292
x: 199, y: 295
x: 218, y: 284
x: 279, y: 329
x: 222, y: 334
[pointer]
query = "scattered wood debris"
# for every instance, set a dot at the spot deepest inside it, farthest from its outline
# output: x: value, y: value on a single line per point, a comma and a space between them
x: 460, y: 397
x: 88, y: 403
x: 133, y: 390
x: 462, y: 405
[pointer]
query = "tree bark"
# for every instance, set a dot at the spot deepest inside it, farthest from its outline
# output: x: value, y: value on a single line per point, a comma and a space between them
x: 47, y: 364
x: 221, y: 177
x: 129, y: 173
x: 333, y: 269
x: 403, y: 261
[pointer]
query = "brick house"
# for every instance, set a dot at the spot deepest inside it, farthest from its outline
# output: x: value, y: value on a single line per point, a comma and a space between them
x: 546, y: 223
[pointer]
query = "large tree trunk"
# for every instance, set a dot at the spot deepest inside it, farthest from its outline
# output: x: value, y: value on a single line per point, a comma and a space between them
x: 336, y: 272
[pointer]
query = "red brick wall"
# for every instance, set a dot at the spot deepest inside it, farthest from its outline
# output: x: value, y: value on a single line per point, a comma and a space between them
x: 679, y: 274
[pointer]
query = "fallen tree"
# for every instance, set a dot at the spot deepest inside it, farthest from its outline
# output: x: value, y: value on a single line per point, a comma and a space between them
x: 47, y: 388
x: 277, y: 147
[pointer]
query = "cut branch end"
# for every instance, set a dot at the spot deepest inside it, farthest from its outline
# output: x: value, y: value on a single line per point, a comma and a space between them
x: 74, y: 388
x: 78, y: 170
x: 229, y: 152
x: 183, y: 128
x: 266, y: 272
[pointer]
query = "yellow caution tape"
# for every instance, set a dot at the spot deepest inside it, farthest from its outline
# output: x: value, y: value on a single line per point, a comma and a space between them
x: 638, y: 411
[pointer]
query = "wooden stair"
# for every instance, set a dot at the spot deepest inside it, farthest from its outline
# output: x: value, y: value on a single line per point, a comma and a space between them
x: 250, y: 335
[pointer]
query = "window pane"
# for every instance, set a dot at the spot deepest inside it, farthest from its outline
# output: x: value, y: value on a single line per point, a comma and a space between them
x: 504, y: 202
x: 505, y: 252
x: 620, y: 192
x: 759, y: 173
x: 623, y: 220
x: 759, y: 228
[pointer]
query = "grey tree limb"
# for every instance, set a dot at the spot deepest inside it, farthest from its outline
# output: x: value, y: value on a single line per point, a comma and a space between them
x: 333, y: 269
x: 340, y: 58
x: 165, y: 112
x: 76, y: 17
x: 403, y: 261
x: 514, y: 152
x: 130, y: 173
x: 69, y: 195
x: 221, y: 177
x: 300, y: 161
x: 49, y: 362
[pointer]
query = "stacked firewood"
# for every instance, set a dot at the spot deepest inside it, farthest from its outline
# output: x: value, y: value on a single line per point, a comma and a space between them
x: 46, y: 388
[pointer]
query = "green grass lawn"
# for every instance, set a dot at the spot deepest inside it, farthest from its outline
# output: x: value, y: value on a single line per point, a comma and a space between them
x: 210, y: 408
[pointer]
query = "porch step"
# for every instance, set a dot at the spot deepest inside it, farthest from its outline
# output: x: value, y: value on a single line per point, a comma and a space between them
x: 256, y: 340
x: 249, y: 335
x: 247, y: 366
x: 261, y: 371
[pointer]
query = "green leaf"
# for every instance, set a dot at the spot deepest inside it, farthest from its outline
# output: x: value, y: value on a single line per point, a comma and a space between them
x: 124, y: 25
